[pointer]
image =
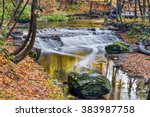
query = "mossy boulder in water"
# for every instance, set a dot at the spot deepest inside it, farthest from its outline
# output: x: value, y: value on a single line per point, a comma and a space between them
x: 117, y: 48
x: 88, y: 85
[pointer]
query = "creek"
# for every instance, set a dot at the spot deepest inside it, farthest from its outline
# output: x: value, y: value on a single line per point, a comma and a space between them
x: 80, y: 47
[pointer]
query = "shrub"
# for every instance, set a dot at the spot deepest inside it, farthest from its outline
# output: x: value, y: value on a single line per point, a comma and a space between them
x: 9, y: 11
x: 74, y: 7
x: 25, y: 17
x: 55, y: 17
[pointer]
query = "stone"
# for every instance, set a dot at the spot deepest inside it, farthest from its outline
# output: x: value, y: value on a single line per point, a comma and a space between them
x: 88, y: 85
x: 117, y: 48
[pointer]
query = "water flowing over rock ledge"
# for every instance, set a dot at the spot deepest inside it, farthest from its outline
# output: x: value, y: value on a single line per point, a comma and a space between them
x: 83, y: 49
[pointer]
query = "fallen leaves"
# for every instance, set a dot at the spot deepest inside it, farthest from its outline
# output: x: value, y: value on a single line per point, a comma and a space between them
x: 33, y: 83
x: 128, y: 39
x: 137, y: 65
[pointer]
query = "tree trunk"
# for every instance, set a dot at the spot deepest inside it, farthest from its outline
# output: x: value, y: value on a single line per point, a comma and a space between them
x: 91, y: 5
x: 148, y: 2
x: 129, y: 8
x: 105, y: 2
x: 13, y: 2
x: 23, y: 54
x: 3, y: 13
x: 117, y: 6
x: 140, y: 7
x: 111, y: 8
x: 10, y: 31
x: 60, y: 4
x: 144, y: 8
x: 148, y: 96
x: 18, y: 50
x: 15, y: 13
x: 135, y: 10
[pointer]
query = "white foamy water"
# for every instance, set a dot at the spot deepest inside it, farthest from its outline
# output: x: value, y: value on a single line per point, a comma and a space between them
x: 72, y: 41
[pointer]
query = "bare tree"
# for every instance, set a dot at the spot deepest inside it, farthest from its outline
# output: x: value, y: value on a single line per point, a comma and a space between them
x: 10, y: 31
x: 111, y: 9
x: 144, y: 7
x: 148, y: 3
x: 135, y: 10
x: 91, y: 5
x: 129, y: 7
x: 31, y: 34
x: 105, y: 3
x: 13, y: 2
x: 140, y: 7
x: 15, y: 13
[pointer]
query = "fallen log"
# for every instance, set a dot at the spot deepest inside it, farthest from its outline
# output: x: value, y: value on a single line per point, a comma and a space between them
x: 142, y: 49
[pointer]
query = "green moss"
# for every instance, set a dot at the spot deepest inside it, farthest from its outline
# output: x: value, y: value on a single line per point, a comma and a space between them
x: 116, y: 48
x: 71, y: 97
x: 123, y: 45
x: 88, y: 85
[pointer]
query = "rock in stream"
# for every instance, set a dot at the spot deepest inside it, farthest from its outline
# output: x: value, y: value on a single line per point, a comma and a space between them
x: 88, y: 85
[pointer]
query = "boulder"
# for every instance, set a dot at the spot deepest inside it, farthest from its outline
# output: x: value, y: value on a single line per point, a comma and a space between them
x: 117, y: 48
x: 88, y: 85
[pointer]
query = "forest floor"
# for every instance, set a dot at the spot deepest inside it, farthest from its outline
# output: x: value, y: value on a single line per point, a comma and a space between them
x: 136, y: 64
x: 25, y: 80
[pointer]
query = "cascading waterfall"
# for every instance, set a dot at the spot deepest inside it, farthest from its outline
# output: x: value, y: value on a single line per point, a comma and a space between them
x: 70, y: 42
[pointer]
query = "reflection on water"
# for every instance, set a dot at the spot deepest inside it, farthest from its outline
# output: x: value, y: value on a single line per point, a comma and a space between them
x: 58, y: 64
x: 89, y: 23
x: 123, y: 87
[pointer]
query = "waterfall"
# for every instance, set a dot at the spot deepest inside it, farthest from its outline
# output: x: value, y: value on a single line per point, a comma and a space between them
x: 70, y: 42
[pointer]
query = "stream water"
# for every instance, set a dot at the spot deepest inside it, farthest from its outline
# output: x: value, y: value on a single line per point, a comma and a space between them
x: 79, y: 23
x: 82, y: 49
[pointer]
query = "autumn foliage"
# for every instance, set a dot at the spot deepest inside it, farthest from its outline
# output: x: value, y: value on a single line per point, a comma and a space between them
x: 25, y: 81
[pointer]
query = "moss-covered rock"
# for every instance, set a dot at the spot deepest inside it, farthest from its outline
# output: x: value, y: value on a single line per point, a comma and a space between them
x: 117, y: 48
x: 88, y: 85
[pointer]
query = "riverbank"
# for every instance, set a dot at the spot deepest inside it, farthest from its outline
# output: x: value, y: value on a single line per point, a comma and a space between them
x: 134, y: 32
x: 136, y: 64
x: 25, y: 81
